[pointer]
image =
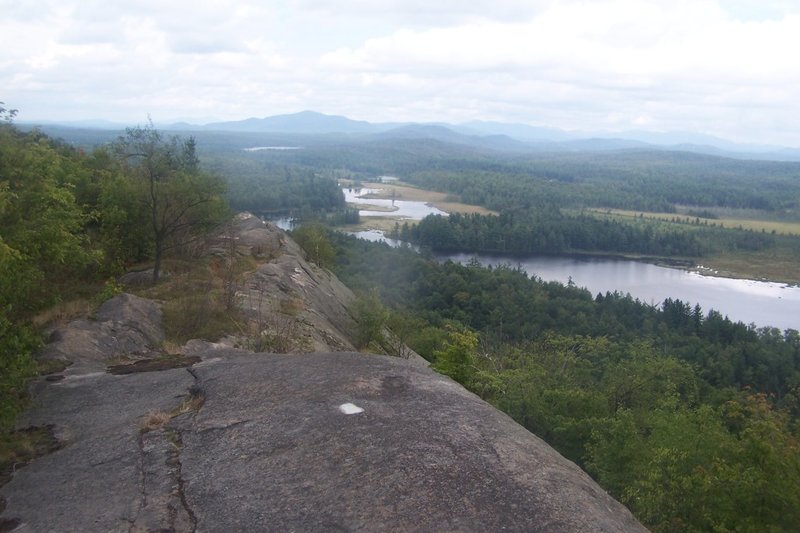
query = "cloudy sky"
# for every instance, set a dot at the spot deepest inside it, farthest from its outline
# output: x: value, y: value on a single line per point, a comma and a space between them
x: 725, y: 67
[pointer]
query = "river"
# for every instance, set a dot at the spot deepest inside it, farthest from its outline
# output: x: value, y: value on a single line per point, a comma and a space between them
x: 394, y: 208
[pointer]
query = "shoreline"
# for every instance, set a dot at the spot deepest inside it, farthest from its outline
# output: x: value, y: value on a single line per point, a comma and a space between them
x: 679, y: 263
x: 386, y: 223
x: 719, y: 267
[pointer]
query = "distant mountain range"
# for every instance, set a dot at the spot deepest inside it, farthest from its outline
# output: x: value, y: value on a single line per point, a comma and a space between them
x: 305, y: 122
x: 490, y: 135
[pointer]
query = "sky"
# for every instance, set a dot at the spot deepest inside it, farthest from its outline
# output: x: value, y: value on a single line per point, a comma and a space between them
x: 729, y: 68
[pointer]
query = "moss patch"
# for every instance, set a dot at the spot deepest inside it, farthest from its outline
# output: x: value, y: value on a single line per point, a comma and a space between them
x: 18, y: 448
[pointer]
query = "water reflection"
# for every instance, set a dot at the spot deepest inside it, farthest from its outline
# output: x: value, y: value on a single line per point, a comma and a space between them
x: 394, y: 208
x: 749, y: 301
x: 283, y: 222
x: 375, y: 235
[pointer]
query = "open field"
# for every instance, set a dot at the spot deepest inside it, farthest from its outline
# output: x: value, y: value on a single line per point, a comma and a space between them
x: 779, y: 263
x: 776, y: 265
x: 385, y: 224
x: 782, y: 228
x: 375, y: 208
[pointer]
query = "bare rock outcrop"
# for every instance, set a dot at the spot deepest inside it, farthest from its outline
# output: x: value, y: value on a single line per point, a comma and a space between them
x: 292, y: 305
x: 322, y: 442
x: 247, y: 235
x: 126, y: 326
x: 290, y: 296
x: 354, y: 442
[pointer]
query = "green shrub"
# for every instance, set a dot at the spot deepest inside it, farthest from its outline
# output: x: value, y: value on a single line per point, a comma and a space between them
x: 17, y: 343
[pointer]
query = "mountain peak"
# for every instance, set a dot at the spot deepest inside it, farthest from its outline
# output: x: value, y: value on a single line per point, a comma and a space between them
x: 305, y: 122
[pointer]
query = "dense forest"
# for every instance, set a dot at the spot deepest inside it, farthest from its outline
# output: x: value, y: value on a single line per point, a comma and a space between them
x: 645, y: 180
x: 264, y: 187
x: 688, y: 418
x: 254, y: 182
x: 634, y: 179
x: 535, y: 232
x: 71, y: 220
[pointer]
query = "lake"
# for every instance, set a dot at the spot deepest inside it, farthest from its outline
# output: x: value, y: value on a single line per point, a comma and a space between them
x: 261, y: 148
x: 749, y: 301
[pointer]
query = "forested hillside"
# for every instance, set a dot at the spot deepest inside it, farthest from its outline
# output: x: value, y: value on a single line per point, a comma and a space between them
x: 254, y: 181
x: 261, y: 186
x: 631, y: 179
x: 686, y: 417
x: 551, y: 232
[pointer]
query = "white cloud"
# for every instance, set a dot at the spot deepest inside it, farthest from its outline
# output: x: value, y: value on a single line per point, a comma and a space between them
x: 723, y: 67
x: 425, y: 12
x: 620, y: 58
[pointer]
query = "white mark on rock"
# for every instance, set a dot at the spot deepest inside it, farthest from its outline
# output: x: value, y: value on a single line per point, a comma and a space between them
x: 350, y: 409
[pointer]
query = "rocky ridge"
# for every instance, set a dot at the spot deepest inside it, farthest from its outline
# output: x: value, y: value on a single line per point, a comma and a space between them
x: 327, y: 441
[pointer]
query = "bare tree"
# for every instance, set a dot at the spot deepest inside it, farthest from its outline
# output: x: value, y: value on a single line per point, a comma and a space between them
x: 180, y: 200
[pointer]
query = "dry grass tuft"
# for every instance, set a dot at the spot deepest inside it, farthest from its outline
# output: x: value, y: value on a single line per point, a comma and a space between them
x: 172, y: 348
x: 154, y: 420
x: 191, y: 404
x: 63, y: 312
x: 158, y: 419
x: 51, y: 366
x: 292, y: 306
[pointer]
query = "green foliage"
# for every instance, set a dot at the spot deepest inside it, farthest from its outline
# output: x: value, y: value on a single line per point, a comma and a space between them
x: 371, y: 317
x: 63, y: 214
x: 165, y: 192
x: 682, y: 468
x: 410, y: 330
x: 314, y: 239
x: 17, y: 341
x: 43, y: 245
x: 506, y: 306
x: 40, y: 219
x: 457, y: 357
x: 110, y: 289
x: 548, y: 232
x: 640, y: 180
x: 263, y: 188
x: 20, y: 284
x: 126, y: 236
x: 542, y: 198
